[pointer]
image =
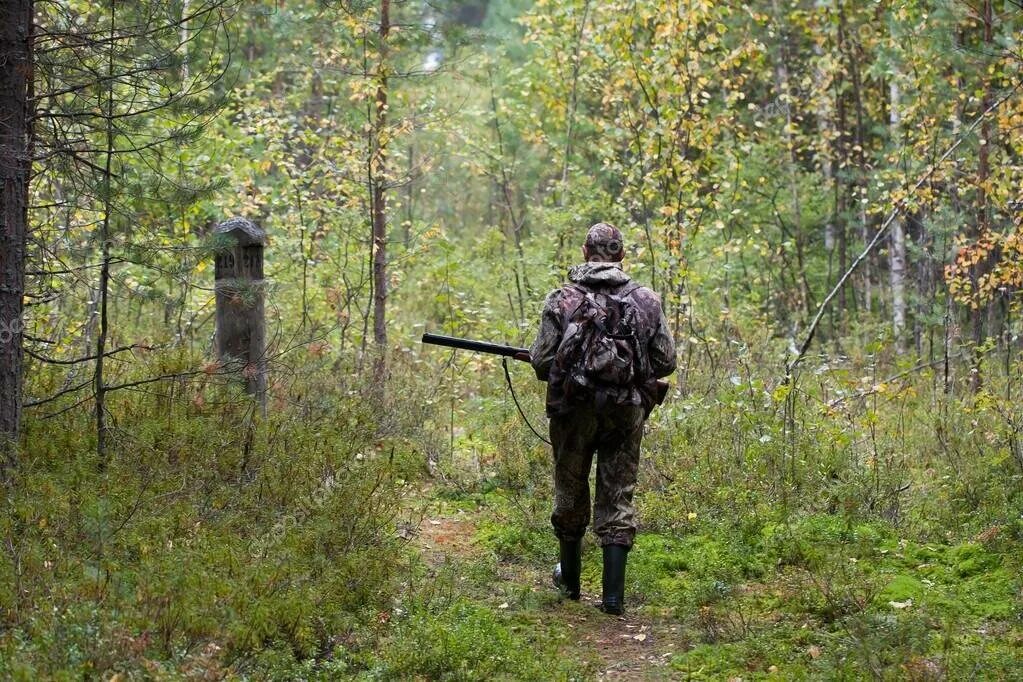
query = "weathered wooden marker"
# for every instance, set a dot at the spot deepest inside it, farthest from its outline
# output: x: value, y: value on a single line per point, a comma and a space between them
x: 241, y: 327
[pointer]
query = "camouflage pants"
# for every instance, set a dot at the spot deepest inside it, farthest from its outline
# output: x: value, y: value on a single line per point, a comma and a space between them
x: 614, y: 435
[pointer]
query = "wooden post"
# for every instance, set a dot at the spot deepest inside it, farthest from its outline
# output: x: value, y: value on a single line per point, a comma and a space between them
x: 241, y: 327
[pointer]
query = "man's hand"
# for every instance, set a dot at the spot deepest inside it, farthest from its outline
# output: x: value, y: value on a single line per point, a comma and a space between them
x: 523, y: 356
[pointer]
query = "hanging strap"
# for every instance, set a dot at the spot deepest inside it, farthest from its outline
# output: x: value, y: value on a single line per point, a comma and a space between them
x: 507, y: 377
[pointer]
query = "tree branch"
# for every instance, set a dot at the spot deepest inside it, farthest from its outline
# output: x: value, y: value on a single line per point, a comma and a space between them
x: 899, y: 205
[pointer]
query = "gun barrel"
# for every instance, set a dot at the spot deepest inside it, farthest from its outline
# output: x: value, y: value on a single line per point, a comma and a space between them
x: 476, y: 346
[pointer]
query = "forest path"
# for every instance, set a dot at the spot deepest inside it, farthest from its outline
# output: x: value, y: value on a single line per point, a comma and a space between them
x: 631, y: 647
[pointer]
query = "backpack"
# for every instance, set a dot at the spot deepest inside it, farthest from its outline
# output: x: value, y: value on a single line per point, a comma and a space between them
x: 600, y: 358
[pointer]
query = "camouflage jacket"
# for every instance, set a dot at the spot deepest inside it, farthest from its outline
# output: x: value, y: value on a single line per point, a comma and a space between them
x: 605, y: 278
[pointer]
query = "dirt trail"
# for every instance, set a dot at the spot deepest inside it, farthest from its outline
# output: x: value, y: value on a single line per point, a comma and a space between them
x: 626, y: 648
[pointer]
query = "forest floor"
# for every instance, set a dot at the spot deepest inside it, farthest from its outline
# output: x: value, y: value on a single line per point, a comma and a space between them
x: 829, y: 601
x: 442, y: 572
x: 630, y: 647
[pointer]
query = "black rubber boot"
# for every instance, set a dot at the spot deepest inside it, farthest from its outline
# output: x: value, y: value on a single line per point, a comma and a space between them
x: 614, y: 579
x: 566, y: 573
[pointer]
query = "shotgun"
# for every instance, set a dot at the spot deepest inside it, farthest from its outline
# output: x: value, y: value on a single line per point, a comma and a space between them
x: 660, y: 391
x: 477, y: 346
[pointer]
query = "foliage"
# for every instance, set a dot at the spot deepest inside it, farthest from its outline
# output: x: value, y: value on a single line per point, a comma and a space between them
x: 199, y: 544
x: 861, y: 517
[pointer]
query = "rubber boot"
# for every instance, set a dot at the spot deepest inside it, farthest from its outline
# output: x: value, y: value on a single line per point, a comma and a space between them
x: 614, y: 579
x: 566, y: 573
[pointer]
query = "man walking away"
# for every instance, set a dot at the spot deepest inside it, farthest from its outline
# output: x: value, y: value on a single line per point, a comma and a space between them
x: 602, y: 345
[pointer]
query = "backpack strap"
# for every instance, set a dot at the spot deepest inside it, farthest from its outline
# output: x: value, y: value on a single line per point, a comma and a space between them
x: 628, y: 290
x: 581, y: 292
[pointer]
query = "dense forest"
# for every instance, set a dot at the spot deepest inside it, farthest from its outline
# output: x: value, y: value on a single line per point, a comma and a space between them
x: 827, y: 196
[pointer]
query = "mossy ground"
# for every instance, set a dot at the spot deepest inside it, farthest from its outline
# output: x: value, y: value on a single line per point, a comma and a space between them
x: 814, y: 598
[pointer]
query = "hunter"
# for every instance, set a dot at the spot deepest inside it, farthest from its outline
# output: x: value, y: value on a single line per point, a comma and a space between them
x: 603, y: 343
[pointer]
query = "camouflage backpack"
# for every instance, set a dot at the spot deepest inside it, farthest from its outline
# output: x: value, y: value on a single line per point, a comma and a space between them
x: 599, y: 359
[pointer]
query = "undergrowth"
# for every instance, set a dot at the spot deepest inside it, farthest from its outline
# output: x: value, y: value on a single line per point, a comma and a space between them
x: 844, y: 527
x: 841, y: 527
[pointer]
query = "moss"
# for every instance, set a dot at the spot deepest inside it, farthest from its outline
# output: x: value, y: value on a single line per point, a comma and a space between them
x: 971, y: 558
x: 692, y: 571
x: 516, y: 542
x: 467, y: 641
x: 993, y: 595
x: 902, y: 588
x: 779, y: 652
x: 711, y: 662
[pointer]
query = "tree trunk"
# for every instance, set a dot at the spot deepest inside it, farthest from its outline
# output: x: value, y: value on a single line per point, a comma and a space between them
x: 572, y: 104
x: 99, y: 383
x: 841, y: 228
x: 825, y: 127
x: 858, y: 185
x: 379, y: 174
x: 16, y: 17
x: 842, y: 161
x: 897, y: 250
x: 183, y: 38
x: 983, y: 173
x: 781, y: 75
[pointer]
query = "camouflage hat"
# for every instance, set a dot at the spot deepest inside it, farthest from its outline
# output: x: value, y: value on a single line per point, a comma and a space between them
x: 604, y: 243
